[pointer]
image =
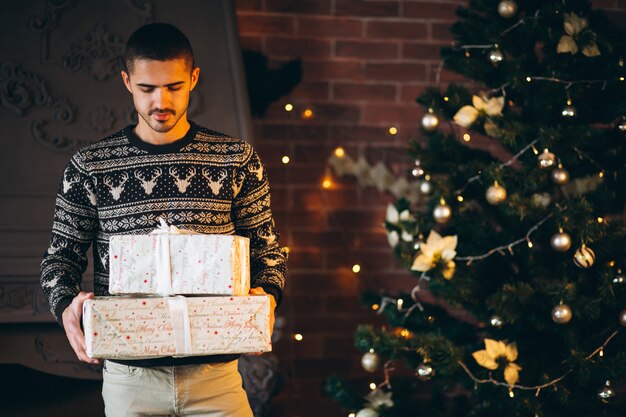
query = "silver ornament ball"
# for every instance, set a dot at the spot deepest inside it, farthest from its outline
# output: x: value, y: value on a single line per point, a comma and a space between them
x: 426, y: 187
x: 442, y: 213
x: 496, y: 194
x: 424, y: 371
x: 561, y: 242
x: 606, y: 393
x: 367, y: 412
x: 496, y: 57
x: 546, y: 159
x: 560, y: 176
x: 370, y: 361
x: 496, y: 322
x: 430, y: 121
x: 507, y: 8
x: 584, y: 257
x: 622, y: 318
x: 568, y: 111
x: 561, y: 314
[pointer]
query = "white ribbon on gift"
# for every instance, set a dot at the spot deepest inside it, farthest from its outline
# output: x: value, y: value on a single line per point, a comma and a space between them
x: 162, y: 255
x: 181, y: 328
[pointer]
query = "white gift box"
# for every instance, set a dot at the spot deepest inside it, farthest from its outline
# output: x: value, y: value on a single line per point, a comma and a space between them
x: 152, y: 327
x: 166, y: 263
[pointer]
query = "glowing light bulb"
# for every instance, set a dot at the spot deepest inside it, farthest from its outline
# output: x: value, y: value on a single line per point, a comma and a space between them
x: 446, y: 98
x: 298, y: 337
x: 307, y: 114
x: 467, y: 137
x: 327, y: 183
x: 528, y: 79
x: 459, y: 198
x: 288, y: 107
x: 372, y: 386
x: 287, y: 249
x: 400, y: 303
x: 511, y: 393
x: 530, y: 244
x: 375, y: 307
x: 340, y: 152
x: 356, y: 268
x: 600, y: 220
x: 285, y: 159
x: 601, y: 174
x: 621, y: 78
x: 393, y: 130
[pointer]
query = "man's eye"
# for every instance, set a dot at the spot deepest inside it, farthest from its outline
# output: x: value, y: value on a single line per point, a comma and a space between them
x: 147, y: 90
x: 174, y: 88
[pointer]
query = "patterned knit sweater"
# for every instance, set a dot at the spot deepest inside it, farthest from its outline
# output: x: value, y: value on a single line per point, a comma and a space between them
x: 206, y: 182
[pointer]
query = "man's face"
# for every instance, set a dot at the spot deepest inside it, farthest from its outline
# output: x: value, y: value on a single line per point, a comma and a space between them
x: 161, y: 91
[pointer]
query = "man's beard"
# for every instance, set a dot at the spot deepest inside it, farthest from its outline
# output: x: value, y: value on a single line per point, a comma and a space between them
x: 165, y: 126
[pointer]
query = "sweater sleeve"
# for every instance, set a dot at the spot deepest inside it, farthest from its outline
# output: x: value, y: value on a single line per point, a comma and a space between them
x: 253, y: 219
x: 73, y: 230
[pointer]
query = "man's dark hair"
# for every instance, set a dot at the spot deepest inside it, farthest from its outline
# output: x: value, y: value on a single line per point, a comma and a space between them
x: 158, y: 42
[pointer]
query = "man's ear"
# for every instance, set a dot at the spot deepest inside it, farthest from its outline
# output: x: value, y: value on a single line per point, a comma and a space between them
x: 126, y: 79
x: 195, y: 74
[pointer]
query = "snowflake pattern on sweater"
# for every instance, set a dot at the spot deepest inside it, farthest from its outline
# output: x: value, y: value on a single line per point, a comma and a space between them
x: 207, y: 182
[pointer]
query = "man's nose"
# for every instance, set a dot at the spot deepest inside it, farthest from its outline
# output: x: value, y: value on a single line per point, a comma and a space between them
x: 162, y: 97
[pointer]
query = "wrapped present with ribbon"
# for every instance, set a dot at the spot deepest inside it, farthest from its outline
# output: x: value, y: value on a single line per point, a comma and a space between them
x: 172, y: 261
x: 152, y: 327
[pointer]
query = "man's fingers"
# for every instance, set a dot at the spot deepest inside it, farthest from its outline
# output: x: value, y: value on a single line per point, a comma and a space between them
x: 71, y: 322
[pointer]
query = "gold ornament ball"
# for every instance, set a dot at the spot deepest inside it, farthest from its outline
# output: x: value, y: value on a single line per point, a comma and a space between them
x: 442, y: 213
x: 370, y: 361
x: 561, y: 314
x: 560, y: 176
x: 426, y: 187
x: 622, y: 318
x: 584, y: 257
x: 546, y: 159
x: 367, y: 412
x: 430, y: 121
x: 507, y: 8
x: 561, y: 242
x: 496, y: 194
x: 568, y: 111
x: 424, y: 371
x: 606, y: 393
x: 496, y: 57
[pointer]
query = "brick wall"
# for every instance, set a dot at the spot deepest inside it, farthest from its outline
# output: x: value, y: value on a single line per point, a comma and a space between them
x: 364, y: 63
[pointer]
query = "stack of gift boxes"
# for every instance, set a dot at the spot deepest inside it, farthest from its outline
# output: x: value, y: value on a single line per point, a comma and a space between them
x: 177, y: 294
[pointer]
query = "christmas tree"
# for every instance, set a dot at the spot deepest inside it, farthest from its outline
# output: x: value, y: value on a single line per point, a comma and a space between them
x: 520, y: 234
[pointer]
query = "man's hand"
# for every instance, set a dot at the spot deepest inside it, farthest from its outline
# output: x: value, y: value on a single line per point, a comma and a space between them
x: 261, y: 291
x: 71, y: 323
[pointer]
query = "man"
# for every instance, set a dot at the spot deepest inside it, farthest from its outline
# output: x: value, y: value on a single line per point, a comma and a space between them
x: 165, y: 166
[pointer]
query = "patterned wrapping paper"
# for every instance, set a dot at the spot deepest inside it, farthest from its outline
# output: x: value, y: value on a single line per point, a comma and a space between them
x: 143, y: 328
x: 198, y: 264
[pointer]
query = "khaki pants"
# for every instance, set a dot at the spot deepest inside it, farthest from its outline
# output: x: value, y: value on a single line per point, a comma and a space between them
x: 212, y: 390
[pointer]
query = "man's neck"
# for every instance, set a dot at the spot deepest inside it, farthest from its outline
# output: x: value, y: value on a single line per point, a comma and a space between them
x: 148, y: 135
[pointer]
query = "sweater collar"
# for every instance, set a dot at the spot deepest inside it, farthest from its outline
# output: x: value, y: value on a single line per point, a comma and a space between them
x: 161, y: 149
